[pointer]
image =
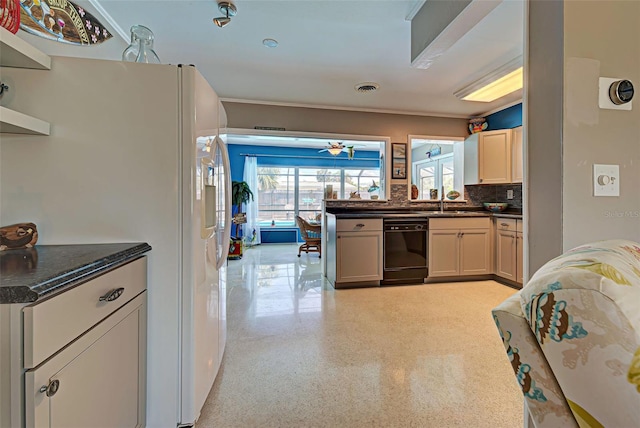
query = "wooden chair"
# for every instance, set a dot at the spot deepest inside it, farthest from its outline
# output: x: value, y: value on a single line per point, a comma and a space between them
x: 311, y: 235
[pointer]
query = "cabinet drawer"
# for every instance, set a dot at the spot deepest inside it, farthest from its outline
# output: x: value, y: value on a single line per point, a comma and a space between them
x: 52, y: 324
x: 358, y: 224
x: 506, y: 224
x: 519, y: 227
x: 459, y: 223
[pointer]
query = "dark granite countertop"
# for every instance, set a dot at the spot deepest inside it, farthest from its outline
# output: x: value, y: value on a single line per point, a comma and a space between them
x: 27, y: 275
x: 408, y: 213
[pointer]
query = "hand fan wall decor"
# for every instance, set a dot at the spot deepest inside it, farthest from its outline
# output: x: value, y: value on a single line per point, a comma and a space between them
x: 62, y: 21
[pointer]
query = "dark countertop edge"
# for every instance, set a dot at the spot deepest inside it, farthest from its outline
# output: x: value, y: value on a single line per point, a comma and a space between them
x: 68, y: 279
x: 419, y: 214
x: 507, y: 215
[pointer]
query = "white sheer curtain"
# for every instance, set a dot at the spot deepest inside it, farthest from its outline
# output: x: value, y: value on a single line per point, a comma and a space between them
x: 251, y: 229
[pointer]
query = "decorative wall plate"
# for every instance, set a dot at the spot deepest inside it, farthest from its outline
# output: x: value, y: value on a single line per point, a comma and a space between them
x: 62, y: 21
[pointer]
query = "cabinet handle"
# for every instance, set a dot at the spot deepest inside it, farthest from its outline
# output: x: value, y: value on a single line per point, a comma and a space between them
x: 112, y: 295
x: 360, y: 225
x: 504, y: 224
x: 480, y: 180
x: 51, y: 389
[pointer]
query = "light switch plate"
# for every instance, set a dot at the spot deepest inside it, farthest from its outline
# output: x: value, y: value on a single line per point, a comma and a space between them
x: 604, y: 101
x: 606, y: 180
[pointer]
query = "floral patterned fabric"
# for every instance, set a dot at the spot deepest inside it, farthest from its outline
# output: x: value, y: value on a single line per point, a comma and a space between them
x: 542, y: 394
x: 583, y: 309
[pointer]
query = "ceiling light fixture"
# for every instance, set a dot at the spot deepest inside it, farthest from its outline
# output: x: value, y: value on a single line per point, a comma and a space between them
x: 497, y: 84
x: 229, y: 10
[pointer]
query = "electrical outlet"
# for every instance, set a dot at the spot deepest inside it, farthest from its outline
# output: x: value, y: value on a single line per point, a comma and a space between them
x: 606, y: 180
x: 510, y: 194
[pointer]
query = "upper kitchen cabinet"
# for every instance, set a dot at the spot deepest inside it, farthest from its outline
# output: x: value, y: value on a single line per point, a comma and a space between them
x: 15, y: 52
x: 487, y: 157
x: 516, y: 155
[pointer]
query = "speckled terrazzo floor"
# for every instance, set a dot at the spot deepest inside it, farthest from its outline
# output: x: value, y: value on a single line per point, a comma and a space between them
x: 301, y: 354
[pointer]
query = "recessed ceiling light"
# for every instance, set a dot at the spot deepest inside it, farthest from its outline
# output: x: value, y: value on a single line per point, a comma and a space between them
x: 270, y: 43
x: 367, y: 87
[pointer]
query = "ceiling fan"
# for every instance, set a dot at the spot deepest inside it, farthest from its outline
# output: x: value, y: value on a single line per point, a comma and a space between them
x: 337, y: 147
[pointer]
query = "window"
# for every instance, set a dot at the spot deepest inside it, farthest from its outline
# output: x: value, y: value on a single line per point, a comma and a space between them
x: 276, y: 196
x: 284, y: 192
x: 433, y: 174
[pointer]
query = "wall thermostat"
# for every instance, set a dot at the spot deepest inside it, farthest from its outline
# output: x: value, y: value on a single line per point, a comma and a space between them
x: 621, y: 92
x: 615, y: 93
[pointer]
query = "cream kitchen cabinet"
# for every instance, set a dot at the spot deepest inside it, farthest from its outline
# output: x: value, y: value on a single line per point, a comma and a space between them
x: 459, y: 246
x: 85, y: 353
x: 354, y: 251
x: 487, y: 157
x: 517, y: 155
x: 508, y: 238
x: 519, y: 253
x: 15, y: 52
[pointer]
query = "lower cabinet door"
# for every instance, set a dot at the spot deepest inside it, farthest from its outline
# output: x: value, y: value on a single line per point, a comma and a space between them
x: 475, y: 251
x: 519, y: 258
x: 443, y: 252
x: 359, y: 256
x: 506, y: 254
x: 97, y: 381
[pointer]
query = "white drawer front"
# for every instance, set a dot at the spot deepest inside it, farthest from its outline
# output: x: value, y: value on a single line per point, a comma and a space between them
x: 460, y: 223
x: 358, y: 224
x: 506, y: 224
x: 52, y: 324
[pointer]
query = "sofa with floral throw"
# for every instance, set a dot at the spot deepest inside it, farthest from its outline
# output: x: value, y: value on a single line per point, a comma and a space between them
x: 572, y: 335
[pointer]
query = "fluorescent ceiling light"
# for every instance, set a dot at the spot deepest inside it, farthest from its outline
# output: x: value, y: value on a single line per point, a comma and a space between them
x: 501, y: 82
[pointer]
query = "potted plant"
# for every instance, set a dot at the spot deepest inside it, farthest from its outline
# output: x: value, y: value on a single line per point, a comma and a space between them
x: 240, y: 194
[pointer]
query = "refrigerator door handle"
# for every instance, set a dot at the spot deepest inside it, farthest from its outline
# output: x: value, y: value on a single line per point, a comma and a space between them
x: 226, y: 233
x: 208, y: 191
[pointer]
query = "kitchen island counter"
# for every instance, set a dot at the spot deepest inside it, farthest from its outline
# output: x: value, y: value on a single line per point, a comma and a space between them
x: 31, y: 274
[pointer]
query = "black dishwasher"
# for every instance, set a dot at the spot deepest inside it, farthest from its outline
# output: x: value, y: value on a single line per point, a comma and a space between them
x: 406, y: 243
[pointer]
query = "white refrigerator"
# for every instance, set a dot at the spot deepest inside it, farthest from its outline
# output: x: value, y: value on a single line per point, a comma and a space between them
x: 134, y: 155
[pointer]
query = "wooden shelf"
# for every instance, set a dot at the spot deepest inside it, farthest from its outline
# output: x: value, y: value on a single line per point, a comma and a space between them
x: 15, y: 52
x: 13, y: 122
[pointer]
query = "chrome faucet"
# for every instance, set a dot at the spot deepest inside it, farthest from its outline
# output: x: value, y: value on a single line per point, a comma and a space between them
x: 442, y: 199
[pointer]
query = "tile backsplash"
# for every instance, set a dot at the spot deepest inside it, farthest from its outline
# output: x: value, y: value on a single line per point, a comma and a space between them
x: 477, y: 194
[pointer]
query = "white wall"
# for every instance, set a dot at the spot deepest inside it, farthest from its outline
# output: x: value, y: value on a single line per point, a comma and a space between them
x: 593, y: 135
x: 570, y: 45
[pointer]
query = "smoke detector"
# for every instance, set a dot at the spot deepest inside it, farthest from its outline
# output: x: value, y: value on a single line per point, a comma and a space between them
x: 367, y: 87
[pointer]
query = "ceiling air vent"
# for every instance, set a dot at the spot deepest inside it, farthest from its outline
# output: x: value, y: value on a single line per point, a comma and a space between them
x: 367, y: 87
